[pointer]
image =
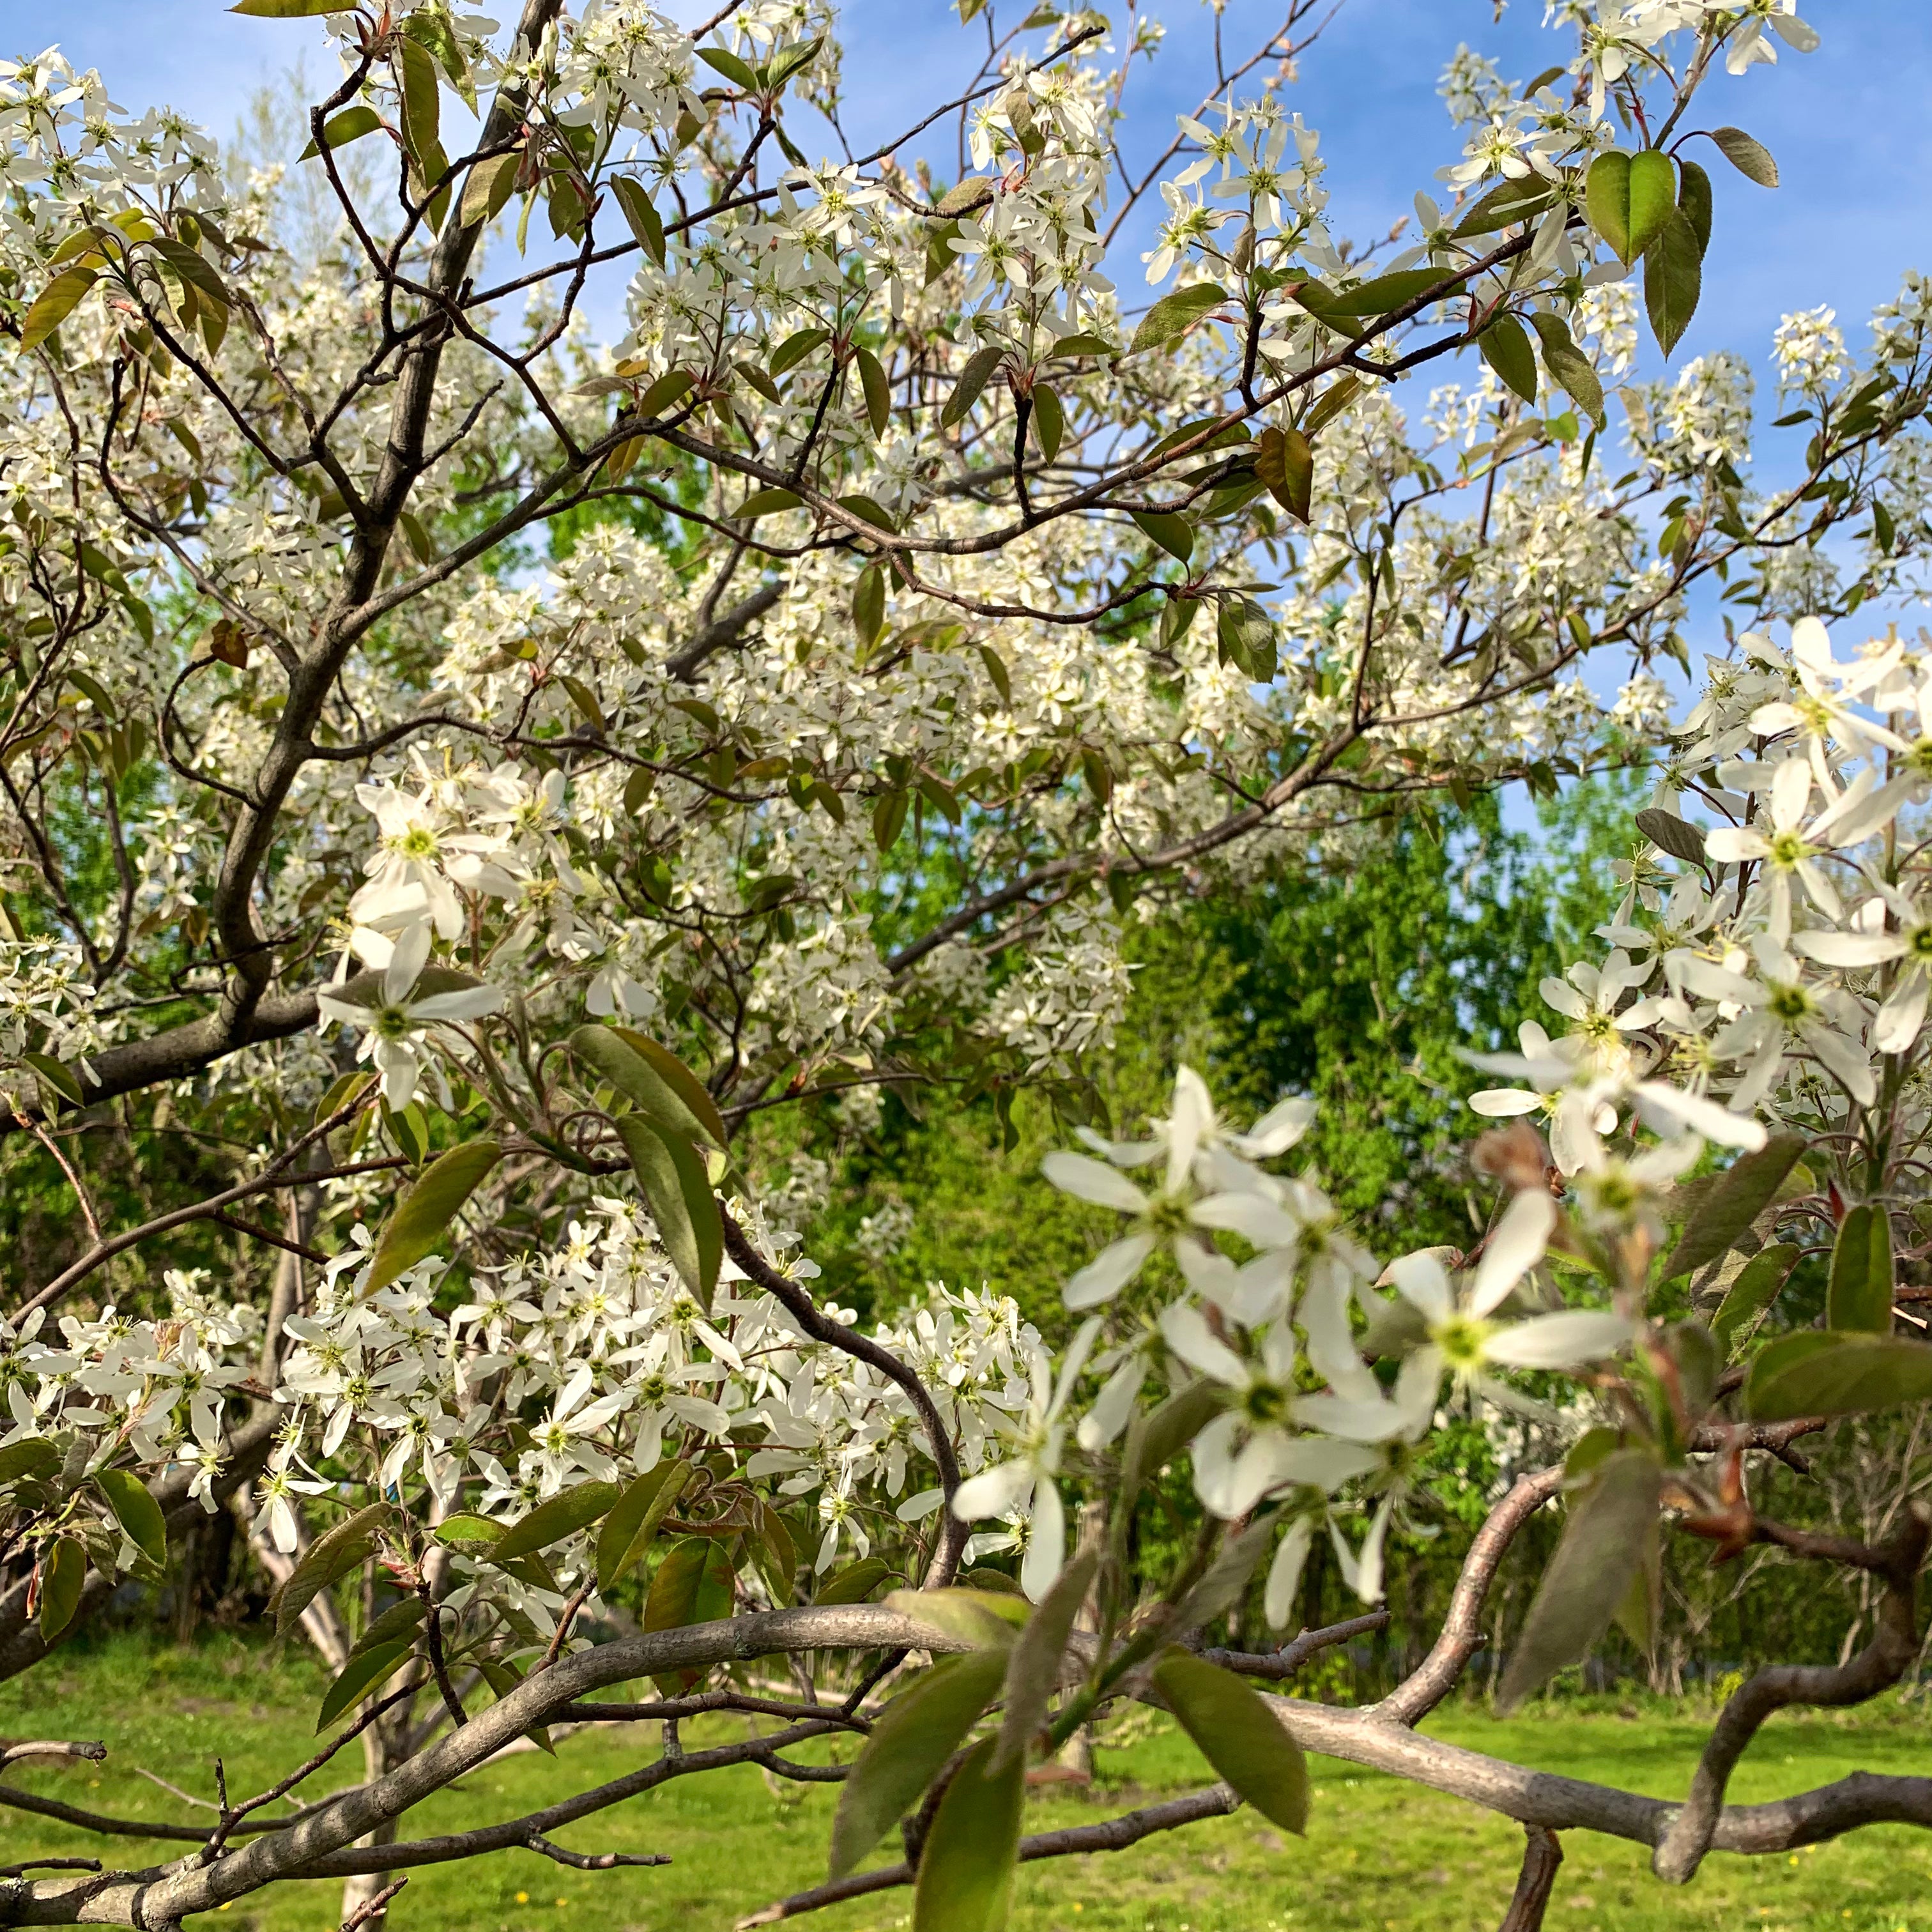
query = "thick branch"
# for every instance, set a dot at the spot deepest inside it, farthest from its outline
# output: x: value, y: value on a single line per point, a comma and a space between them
x: 1883, y: 1661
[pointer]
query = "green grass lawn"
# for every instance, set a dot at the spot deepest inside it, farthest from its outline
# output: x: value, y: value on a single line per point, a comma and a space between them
x: 1380, y: 1856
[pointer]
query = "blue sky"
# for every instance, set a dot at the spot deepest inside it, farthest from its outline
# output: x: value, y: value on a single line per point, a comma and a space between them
x: 1848, y: 124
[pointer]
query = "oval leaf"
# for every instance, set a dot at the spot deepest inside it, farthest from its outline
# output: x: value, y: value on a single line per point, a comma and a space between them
x: 911, y: 1740
x: 1751, y: 158
x: 634, y: 1521
x: 1606, y: 200
x: 417, y: 1227
x: 328, y: 1557
x: 671, y: 1174
x: 136, y: 1512
x: 1748, y: 1187
x: 693, y: 1585
x: 966, y: 1870
x: 973, y: 378
x: 1236, y: 1732
x: 360, y: 1675
x: 63, y: 1573
x: 564, y: 1514
x: 1672, y: 280
x: 1811, y: 1373
x: 1653, y: 196
x: 641, y: 1070
x: 981, y: 1619
x: 855, y: 1582
x: 1505, y: 347
x: 1755, y: 1289
x: 1174, y: 535
x: 1033, y: 1668
x: 1173, y: 315
x: 1589, y: 1576
x: 32, y: 1456
x: 1860, y: 1295
x: 52, y: 306
x: 1669, y: 833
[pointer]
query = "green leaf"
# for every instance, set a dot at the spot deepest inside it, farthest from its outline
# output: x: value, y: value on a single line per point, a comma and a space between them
x: 1384, y: 292
x: 486, y: 193
x: 1032, y: 1666
x: 1653, y: 198
x: 563, y: 1515
x: 1156, y: 1436
x: 397, y: 1625
x: 795, y: 347
x: 855, y: 1582
x: 641, y: 216
x: 1747, y: 1188
x: 781, y: 70
x: 1606, y: 200
x: 1815, y: 1373
x: 983, y: 1619
x: 417, y: 1227
x: 53, y: 305
x: 1285, y: 463
x: 1859, y: 1298
x: 972, y: 378
x: 1588, y: 1578
x: 634, y: 1519
x: 654, y: 1082
x: 868, y: 604
x: 1174, y: 535
x: 287, y: 10
x: 1227, y: 1576
x: 1505, y: 348
x: 1754, y: 1290
x: 1235, y: 1730
x: 1694, y: 196
x: 1672, y: 280
x: 1569, y: 367
x: 1507, y: 202
x: 328, y: 1557
x: 1671, y: 834
x: 63, y: 1573
x: 768, y: 502
x: 911, y: 1740
x: 738, y: 72
x: 1246, y: 634
x: 878, y: 391
x: 468, y: 1531
x: 361, y: 1675
x: 339, y: 130
x: 31, y: 1457
x: 1751, y: 158
x: 660, y: 395
x: 136, y: 1512
x: 1049, y: 420
x: 693, y: 1585
x: 422, y: 104
x: 57, y: 1074
x: 671, y: 1173
x: 966, y: 1871
x: 889, y: 818
x: 1173, y: 315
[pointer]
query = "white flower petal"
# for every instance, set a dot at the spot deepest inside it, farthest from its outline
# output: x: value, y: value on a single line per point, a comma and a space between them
x: 1559, y: 1341
x: 1087, y: 1179
x: 1108, y: 1272
x: 1515, y: 1248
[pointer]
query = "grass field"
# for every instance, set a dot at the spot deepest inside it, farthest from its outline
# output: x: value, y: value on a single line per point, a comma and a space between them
x: 1380, y: 1856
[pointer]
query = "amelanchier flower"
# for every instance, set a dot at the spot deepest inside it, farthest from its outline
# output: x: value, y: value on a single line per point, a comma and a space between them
x: 1026, y: 1483
x: 398, y: 1010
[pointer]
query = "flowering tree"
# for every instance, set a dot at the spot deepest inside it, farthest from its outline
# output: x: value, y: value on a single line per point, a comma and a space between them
x: 917, y: 613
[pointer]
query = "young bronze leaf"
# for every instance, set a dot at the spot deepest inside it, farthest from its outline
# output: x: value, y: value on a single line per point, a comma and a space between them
x: 1235, y: 1731
x: 1860, y: 1294
x: 1669, y: 833
x: 1751, y: 158
x: 693, y: 1585
x: 971, y: 380
x: 1588, y: 1578
x: 417, y: 1227
x: 878, y: 391
x: 913, y: 1738
x: 966, y: 1871
x: 1747, y: 1187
